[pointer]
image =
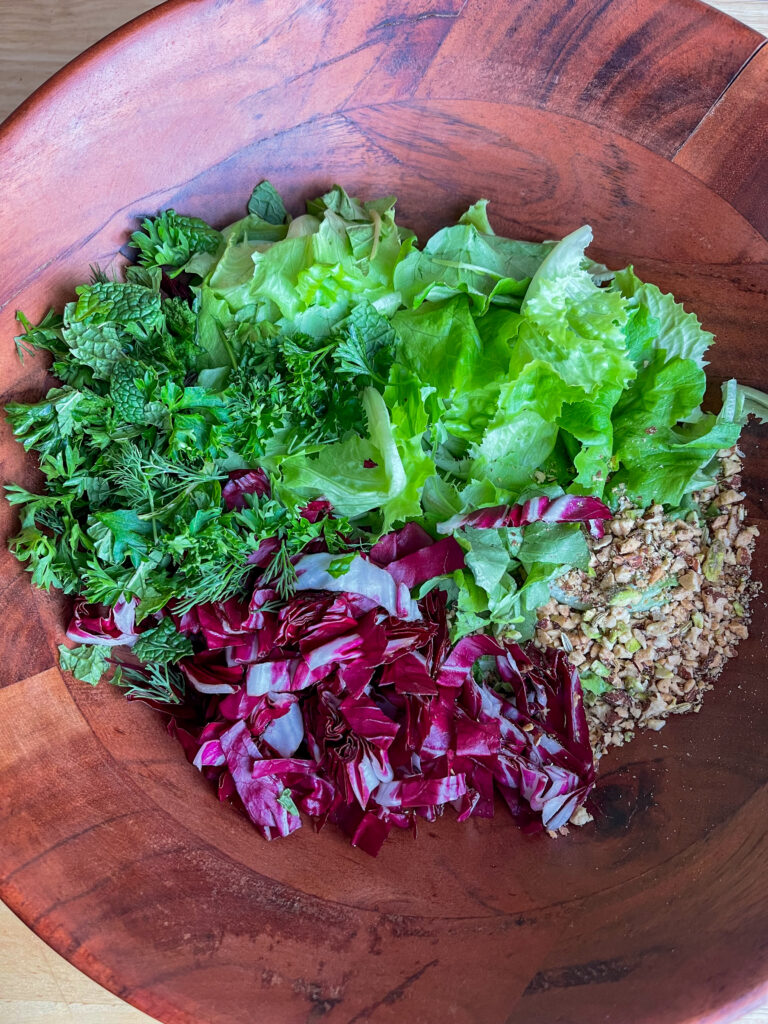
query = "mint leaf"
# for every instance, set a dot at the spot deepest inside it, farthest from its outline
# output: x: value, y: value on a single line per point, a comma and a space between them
x: 163, y: 644
x: 87, y: 662
x: 99, y: 346
x: 113, y: 302
x: 265, y: 202
x: 170, y: 240
x: 128, y: 399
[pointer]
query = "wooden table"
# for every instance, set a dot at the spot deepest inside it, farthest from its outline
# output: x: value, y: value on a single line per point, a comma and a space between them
x: 36, y: 38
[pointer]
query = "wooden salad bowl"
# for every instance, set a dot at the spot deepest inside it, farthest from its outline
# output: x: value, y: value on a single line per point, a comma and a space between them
x: 646, y: 119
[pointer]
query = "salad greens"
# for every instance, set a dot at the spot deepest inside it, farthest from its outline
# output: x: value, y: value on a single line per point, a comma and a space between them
x: 394, y: 382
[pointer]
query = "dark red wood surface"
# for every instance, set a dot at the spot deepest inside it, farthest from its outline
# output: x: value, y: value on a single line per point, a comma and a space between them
x: 647, y: 119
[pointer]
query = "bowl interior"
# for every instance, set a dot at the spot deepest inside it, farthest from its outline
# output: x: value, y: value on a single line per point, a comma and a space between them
x: 115, y: 850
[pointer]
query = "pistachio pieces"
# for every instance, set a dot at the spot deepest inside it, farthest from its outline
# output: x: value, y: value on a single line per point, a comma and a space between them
x: 662, y: 609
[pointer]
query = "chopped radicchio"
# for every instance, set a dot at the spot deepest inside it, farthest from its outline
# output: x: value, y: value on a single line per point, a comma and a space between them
x: 569, y: 508
x: 315, y: 510
x: 242, y: 482
x: 361, y: 576
x: 347, y: 702
x: 116, y: 629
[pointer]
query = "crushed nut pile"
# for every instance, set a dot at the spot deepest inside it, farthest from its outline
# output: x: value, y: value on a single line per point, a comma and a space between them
x: 661, y: 609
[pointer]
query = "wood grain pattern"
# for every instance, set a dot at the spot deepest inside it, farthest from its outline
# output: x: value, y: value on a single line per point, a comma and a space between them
x: 119, y: 855
x: 740, y: 176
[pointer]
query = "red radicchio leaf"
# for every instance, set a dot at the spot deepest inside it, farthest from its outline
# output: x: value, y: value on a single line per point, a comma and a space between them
x: 261, y: 599
x: 361, y: 577
x: 190, y: 744
x: 320, y: 508
x: 276, y: 677
x: 403, y: 637
x: 115, y: 629
x: 223, y: 622
x: 368, y: 721
x: 477, y: 739
x: 438, y: 559
x: 311, y: 793
x: 405, y: 541
x: 285, y: 733
x: 409, y: 674
x: 207, y: 675
x: 421, y: 792
x: 453, y: 671
x: 242, y: 482
x: 355, y: 763
x: 264, y: 553
x: 254, y: 647
x: 260, y: 789
x: 367, y: 830
x: 312, y: 615
x: 569, y: 508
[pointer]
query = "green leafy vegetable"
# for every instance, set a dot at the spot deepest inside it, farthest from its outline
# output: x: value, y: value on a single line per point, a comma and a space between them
x: 161, y: 683
x: 384, y: 471
x: 396, y: 382
x: 163, y: 644
x: 170, y: 240
x: 266, y: 203
x: 675, y: 332
x: 87, y: 663
x: 467, y: 260
x: 591, y: 682
x: 366, y: 344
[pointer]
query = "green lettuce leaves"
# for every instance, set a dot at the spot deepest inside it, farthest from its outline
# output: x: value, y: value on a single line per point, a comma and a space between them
x: 469, y: 259
x: 383, y: 471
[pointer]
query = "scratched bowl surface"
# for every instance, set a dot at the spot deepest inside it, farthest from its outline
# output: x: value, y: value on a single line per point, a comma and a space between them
x: 645, y: 118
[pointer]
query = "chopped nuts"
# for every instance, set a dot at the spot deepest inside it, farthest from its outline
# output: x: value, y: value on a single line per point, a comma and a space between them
x: 664, y: 606
x: 689, y: 581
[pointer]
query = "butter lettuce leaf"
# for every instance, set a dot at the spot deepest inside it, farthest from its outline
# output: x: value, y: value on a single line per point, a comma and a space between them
x: 677, y: 333
x: 469, y: 259
x: 572, y: 323
x: 384, y: 471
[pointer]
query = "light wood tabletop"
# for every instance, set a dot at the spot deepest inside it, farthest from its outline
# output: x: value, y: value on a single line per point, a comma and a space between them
x: 36, y: 38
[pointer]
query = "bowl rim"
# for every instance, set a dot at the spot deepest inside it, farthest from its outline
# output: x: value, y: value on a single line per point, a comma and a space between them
x: 123, y: 33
